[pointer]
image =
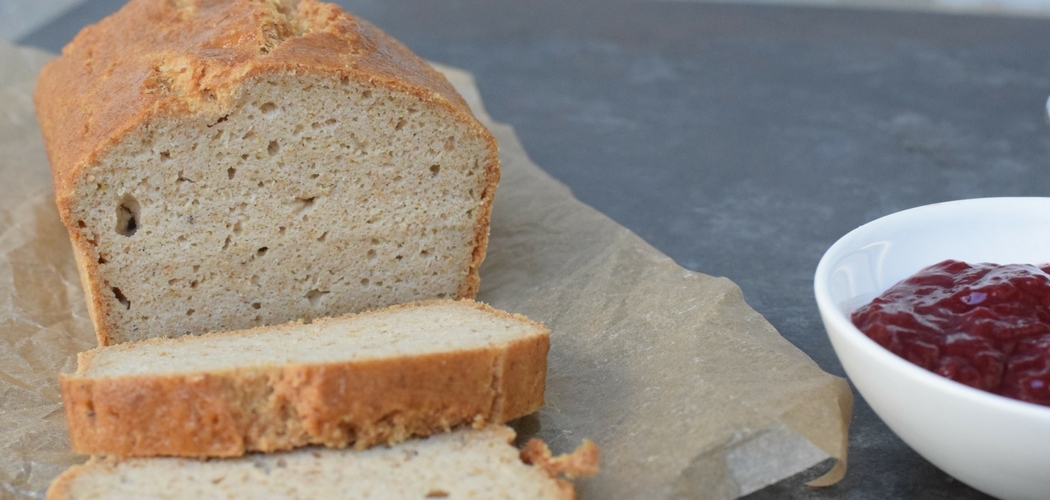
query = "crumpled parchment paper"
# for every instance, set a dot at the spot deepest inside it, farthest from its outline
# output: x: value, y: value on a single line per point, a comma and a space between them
x: 688, y: 391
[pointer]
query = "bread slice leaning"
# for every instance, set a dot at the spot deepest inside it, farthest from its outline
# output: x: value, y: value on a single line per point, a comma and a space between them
x: 227, y: 164
x: 361, y: 380
x: 466, y: 464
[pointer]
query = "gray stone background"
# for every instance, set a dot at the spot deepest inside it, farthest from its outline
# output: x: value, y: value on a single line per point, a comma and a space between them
x: 21, y: 17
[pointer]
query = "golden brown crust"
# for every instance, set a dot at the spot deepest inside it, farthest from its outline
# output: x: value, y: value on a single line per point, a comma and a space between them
x: 359, y: 403
x: 195, y: 54
x: 92, y: 290
x: 193, y: 57
x: 583, y: 461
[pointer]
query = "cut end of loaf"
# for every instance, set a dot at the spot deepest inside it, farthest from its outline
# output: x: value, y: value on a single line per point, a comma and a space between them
x: 251, y: 163
x: 281, y: 209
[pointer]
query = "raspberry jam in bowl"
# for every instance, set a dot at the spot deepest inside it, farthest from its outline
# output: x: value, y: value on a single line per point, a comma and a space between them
x: 983, y: 325
x: 995, y: 443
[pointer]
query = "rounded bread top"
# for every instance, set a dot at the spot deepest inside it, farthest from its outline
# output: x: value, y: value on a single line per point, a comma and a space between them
x: 192, y: 56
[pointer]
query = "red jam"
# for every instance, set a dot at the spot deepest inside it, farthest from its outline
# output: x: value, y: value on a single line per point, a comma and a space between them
x: 984, y: 325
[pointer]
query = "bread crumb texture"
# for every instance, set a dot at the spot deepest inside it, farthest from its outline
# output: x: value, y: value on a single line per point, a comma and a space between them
x: 233, y: 163
x: 466, y: 464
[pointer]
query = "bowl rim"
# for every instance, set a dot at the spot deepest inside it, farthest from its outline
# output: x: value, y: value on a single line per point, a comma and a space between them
x: 842, y: 327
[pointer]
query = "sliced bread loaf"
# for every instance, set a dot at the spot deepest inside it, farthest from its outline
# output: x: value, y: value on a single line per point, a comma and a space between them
x: 466, y: 464
x: 227, y: 164
x: 361, y: 380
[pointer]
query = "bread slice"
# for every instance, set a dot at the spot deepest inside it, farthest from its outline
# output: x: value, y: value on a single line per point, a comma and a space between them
x: 376, y: 377
x: 226, y: 164
x: 466, y: 464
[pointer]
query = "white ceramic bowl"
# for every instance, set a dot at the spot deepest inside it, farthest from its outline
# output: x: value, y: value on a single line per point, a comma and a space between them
x: 995, y: 444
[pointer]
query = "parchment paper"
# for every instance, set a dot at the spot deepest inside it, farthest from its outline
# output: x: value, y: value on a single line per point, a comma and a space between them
x: 688, y: 392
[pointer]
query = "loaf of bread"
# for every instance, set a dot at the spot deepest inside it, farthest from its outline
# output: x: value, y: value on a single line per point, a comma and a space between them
x: 466, y: 464
x: 376, y: 377
x: 227, y: 164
